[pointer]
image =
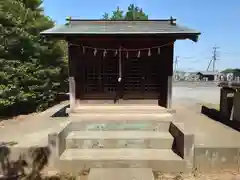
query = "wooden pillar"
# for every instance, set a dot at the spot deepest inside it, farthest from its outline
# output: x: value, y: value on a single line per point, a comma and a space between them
x: 72, y: 75
x: 72, y: 93
x: 169, y: 92
x: 170, y: 75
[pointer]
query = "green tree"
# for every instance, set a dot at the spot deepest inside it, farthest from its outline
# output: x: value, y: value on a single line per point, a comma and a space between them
x: 32, y: 68
x: 133, y: 13
x: 231, y: 70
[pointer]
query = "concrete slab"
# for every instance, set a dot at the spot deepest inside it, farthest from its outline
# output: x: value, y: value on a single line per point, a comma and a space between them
x: 208, y: 133
x: 121, y: 174
x: 217, y: 147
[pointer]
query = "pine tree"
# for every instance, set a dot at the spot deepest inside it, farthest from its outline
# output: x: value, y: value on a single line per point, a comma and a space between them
x: 31, y: 67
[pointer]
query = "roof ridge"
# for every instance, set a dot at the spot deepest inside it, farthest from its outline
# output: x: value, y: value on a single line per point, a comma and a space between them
x: 153, y: 20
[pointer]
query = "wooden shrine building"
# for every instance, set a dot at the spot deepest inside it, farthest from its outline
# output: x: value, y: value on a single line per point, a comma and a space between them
x: 121, y: 60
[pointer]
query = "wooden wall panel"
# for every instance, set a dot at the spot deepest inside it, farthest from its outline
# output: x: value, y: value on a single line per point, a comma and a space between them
x: 162, y: 64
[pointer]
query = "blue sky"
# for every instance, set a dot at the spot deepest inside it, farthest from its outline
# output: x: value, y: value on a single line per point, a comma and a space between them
x: 217, y: 20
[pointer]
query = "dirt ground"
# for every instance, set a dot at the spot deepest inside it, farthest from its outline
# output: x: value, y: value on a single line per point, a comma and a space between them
x: 213, y: 176
x: 228, y: 175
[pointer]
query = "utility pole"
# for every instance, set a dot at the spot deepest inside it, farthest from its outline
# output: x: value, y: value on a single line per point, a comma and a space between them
x: 214, y: 59
x: 214, y: 56
x: 175, y: 67
x: 176, y: 63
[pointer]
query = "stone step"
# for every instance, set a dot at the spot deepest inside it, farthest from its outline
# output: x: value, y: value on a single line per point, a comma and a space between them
x: 98, y: 124
x: 121, y: 115
x: 120, y: 106
x: 121, y: 109
x: 121, y: 174
x: 119, y: 139
x: 163, y: 160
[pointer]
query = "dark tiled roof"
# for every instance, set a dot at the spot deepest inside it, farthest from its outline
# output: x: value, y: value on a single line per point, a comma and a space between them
x: 208, y: 73
x: 120, y: 27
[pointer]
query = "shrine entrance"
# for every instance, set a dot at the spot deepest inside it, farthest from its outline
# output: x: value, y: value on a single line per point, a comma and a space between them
x: 116, y: 77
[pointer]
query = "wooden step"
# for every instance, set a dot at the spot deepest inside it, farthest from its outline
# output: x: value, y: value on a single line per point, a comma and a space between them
x: 163, y: 160
x: 119, y: 139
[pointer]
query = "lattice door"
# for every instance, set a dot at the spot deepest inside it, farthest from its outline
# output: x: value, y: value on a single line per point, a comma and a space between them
x: 140, y: 79
x: 151, y: 82
x: 133, y: 78
x: 92, y: 78
x: 109, y: 75
x: 100, y: 78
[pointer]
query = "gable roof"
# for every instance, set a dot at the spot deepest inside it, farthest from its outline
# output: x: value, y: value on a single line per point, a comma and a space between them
x: 101, y: 27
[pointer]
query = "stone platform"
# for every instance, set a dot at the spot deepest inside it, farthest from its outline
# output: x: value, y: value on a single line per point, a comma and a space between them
x: 122, y: 136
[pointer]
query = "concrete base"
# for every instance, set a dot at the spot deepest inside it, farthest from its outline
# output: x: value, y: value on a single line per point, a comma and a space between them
x: 209, y: 159
x: 121, y: 174
x: 216, y: 146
